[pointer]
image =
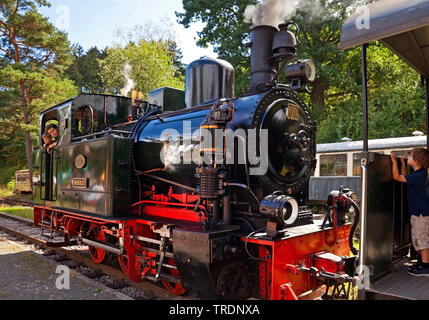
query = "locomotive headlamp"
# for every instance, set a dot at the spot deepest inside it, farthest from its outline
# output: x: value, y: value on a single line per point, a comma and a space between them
x: 282, y: 208
x: 300, y: 73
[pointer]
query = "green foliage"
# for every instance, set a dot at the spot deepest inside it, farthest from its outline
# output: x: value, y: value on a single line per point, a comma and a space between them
x: 33, y: 56
x: 85, y: 69
x: 11, y: 185
x: 225, y: 29
x: 160, y: 31
x: 151, y: 67
x: 23, y: 212
x: 7, y: 173
x: 396, y: 102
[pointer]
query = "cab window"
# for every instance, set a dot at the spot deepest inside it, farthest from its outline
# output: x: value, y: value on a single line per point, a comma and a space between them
x: 86, y: 120
x: 50, y: 118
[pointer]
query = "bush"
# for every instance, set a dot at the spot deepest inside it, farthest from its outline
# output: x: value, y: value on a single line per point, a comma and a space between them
x: 11, y: 185
x: 7, y: 173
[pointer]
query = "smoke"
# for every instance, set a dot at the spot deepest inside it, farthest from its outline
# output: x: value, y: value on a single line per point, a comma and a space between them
x: 174, y: 153
x: 270, y: 12
x: 129, y: 83
x: 275, y: 12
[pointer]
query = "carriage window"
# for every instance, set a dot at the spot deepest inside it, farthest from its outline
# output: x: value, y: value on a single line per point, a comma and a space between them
x: 356, y: 164
x: 333, y: 165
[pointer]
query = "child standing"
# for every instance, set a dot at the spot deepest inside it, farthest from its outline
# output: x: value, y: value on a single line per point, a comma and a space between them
x: 418, y: 204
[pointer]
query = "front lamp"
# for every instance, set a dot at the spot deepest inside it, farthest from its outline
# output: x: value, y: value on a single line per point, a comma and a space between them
x: 300, y: 73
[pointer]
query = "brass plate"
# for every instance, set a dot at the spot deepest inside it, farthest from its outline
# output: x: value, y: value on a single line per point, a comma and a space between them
x: 80, y: 161
x: 292, y: 111
x: 80, y: 183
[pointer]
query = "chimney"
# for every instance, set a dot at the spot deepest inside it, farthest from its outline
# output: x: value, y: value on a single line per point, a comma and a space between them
x: 262, y: 68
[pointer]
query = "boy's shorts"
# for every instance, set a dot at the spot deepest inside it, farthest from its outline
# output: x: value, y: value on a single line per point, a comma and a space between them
x: 420, y: 232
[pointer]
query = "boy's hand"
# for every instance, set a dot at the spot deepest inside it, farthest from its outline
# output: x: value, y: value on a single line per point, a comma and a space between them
x: 402, y: 159
x: 393, y: 158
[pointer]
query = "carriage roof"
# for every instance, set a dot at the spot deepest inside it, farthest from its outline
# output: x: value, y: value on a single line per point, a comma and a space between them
x: 401, y: 25
x: 375, y: 144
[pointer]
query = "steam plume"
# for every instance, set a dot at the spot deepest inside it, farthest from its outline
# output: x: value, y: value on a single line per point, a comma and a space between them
x: 275, y: 12
x: 129, y: 83
x: 270, y: 12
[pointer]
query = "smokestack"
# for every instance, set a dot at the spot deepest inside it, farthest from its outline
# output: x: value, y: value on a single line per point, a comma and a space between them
x: 262, y: 68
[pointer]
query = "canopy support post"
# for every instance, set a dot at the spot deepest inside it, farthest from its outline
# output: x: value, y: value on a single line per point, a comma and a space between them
x: 365, y: 97
x: 426, y: 81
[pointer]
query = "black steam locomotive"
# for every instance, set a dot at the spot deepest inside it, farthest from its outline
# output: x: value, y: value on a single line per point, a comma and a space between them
x: 199, y: 190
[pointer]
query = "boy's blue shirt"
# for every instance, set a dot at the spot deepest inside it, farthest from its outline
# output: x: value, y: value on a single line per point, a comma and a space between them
x: 418, y: 200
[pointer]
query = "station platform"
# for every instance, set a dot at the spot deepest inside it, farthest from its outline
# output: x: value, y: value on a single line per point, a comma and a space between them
x: 26, y: 275
x: 399, y: 284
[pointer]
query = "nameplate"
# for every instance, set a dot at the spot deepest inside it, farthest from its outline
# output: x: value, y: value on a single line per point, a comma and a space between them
x: 80, y: 183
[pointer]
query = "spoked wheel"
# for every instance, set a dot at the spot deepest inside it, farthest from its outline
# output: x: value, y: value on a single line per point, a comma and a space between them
x: 174, y: 287
x: 97, y: 254
x: 123, y: 262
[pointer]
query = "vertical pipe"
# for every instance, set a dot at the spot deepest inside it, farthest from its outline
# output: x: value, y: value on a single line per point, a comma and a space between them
x: 216, y: 213
x: 227, y: 214
x: 427, y: 111
x: 363, y: 216
x: 365, y: 98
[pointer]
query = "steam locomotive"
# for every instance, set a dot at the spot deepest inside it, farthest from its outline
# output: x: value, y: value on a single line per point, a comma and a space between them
x: 199, y: 190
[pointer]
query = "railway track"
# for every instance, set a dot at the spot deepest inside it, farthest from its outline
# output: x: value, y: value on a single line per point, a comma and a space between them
x: 16, y: 202
x: 77, y: 257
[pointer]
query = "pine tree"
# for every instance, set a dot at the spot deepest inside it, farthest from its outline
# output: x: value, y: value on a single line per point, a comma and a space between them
x: 34, y: 55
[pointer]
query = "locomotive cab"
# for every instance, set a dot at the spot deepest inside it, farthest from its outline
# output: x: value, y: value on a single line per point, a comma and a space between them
x: 45, y: 169
x: 83, y: 172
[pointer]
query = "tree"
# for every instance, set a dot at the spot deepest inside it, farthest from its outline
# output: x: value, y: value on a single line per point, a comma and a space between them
x: 34, y: 53
x: 85, y: 69
x: 228, y: 23
x: 335, y: 96
x: 145, y: 66
x: 162, y: 31
x: 396, y: 100
x: 225, y: 30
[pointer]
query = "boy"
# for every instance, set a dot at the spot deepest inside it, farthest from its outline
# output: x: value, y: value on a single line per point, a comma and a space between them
x: 48, y: 144
x: 47, y: 140
x: 52, y: 130
x: 418, y: 204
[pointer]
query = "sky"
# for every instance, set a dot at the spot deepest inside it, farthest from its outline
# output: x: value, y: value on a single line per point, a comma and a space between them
x: 93, y: 22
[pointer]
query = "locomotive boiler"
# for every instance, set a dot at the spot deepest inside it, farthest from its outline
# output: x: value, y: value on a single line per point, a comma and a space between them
x: 199, y: 190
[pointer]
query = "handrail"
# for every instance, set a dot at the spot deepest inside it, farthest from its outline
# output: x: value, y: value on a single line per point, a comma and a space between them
x: 100, y: 133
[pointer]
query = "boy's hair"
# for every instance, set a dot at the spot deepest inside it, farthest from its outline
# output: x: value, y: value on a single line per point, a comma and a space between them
x: 421, y: 156
x: 51, y: 126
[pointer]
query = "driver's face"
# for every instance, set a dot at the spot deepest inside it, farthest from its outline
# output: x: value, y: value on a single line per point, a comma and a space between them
x: 53, y: 132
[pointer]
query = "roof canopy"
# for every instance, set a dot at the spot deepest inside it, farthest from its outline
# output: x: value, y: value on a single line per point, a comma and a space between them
x: 401, y: 25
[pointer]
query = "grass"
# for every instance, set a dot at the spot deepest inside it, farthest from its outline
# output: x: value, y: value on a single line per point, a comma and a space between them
x: 23, y: 212
x: 5, y: 192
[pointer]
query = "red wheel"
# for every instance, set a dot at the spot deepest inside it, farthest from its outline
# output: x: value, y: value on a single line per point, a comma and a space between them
x: 174, y: 287
x: 123, y: 262
x: 97, y: 254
